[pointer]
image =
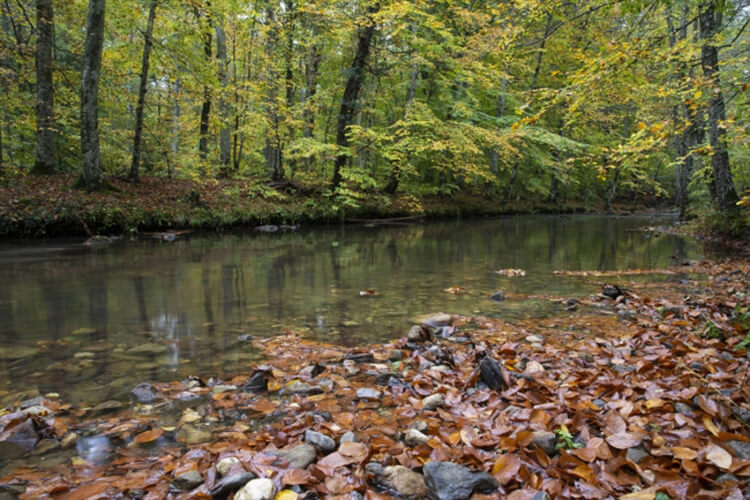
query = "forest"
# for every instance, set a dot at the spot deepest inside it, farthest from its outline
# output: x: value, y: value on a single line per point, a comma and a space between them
x: 345, y: 103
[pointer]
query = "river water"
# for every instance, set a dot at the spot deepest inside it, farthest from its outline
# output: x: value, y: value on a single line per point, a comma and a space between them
x: 92, y: 323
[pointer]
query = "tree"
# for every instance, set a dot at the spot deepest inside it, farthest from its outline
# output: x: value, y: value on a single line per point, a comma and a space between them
x: 92, y: 63
x: 138, y: 135
x: 45, y: 91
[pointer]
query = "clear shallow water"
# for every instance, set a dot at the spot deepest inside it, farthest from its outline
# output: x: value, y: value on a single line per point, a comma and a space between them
x: 92, y: 323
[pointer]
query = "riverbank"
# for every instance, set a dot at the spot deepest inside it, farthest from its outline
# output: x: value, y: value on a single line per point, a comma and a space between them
x: 636, y: 392
x: 51, y: 206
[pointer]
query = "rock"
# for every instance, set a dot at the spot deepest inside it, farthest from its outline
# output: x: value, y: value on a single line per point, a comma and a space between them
x: 545, y: 441
x: 149, y: 349
x: 636, y: 454
x: 189, y: 434
x: 414, y: 438
x: 226, y: 464
x: 445, y: 332
x: 389, y: 379
x: 39, y: 411
x: 322, y: 443
x: 599, y: 402
x: 534, y: 339
x: 360, y: 357
x: 683, y: 408
x: 498, y: 296
x: 433, y: 401
x: 374, y: 468
x: 68, y: 440
x: 624, y: 368
x: 540, y: 495
x: 449, y: 481
x: 220, y: 388
x: 396, y: 355
x: 98, y: 241
x: 348, y: 437
x: 368, y: 393
x: 187, y: 480
x: 404, y: 481
x: 740, y: 449
x: 106, y: 407
x: 490, y: 374
x: 19, y: 441
x: 625, y: 315
x: 257, y: 489
x: 230, y: 483
x: 435, y: 320
x: 298, y: 457
x: 143, y: 393
x: 299, y: 387
x: 258, y: 382
x: 611, y: 291
x: 13, y: 487
x: 268, y: 228
x: 415, y: 334
x: 742, y: 414
x: 727, y: 478
x: 419, y: 425
x: 45, y: 446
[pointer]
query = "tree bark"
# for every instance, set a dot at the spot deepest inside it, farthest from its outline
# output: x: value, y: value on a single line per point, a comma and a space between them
x: 175, y: 123
x: 710, y: 24
x: 45, y: 91
x: 206, y: 106
x: 351, y: 92
x: 272, y: 151
x: 92, y: 63
x: 225, y: 146
x: 410, y: 96
x: 311, y: 85
x: 137, y: 140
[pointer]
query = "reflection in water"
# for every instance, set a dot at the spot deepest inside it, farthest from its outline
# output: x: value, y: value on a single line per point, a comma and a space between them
x: 75, y: 320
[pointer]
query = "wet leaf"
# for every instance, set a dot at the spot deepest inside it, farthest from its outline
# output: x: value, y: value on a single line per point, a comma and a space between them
x: 506, y: 467
x: 149, y: 436
x: 718, y: 456
x: 624, y: 440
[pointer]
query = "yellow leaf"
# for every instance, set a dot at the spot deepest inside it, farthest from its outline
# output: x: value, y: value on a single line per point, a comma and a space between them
x: 286, y: 495
x: 641, y: 126
x: 698, y: 94
x: 710, y: 426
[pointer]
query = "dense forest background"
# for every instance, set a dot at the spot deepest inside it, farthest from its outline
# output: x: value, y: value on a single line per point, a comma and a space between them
x: 594, y: 101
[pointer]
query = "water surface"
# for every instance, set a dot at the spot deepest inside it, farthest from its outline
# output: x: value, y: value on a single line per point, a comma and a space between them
x: 92, y: 323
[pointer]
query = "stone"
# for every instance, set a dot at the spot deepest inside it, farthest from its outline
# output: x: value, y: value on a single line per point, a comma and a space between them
x: 298, y: 457
x: 143, y: 393
x: 220, y: 388
x: 636, y: 454
x: 414, y: 438
x: 39, y: 411
x: 257, y: 489
x: 389, y: 379
x: 226, y: 464
x: 360, y: 357
x: 436, y: 320
x: 106, y: 407
x: 68, y: 440
x: 624, y: 368
x: 348, y: 437
x: 545, y: 441
x: 19, y: 441
x: 415, y: 334
x: 449, y: 481
x: 299, y: 387
x: 611, y: 291
x: 396, y: 355
x: 320, y: 441
x: 625, y: 315
x: 368, y: 393
x: 268, y: 228
x: 374, y: 468
x: 257, y: 383
x: 433, y: 401
x: 683, y: 408
x: 187, y: 480
x: 149, y: 349
x: 230, y: 483
x: 419, y: 425
x: 45, y: 446
x: 727, y: 478
x: 189, y: 434
x: 534, y: 339
x: 741, y: 414
x: 740, y: 449
x: 498, y: 296
x: 404, y: 481
x: 490, y: 374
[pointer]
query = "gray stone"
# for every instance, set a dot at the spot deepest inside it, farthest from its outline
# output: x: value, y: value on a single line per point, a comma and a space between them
x: 45, y: 446
x: 540, y: 495
x: 419, y: 425
x: 625, y: 315
x: 740, y: 449
x: 299, y: 387
x: 396, y: 355
x: 268, y: 228
x: 433, y: 401
x: 636, y: 454
x: 257, y: 489
x: 404, y: 481
x: 226, y: 464
x: 187, y: 480
x: 683, y: 408
x: 106, y: 406
x: 298, y: 457
x: 143, y: 393
x: 320, y: 441
x: 437, y: 319
x: 498, y: 296
x: 490, y: 373
x: 414, y: 438
x: 727, y: 478
x: 19, y: 441
x: 415, y: 334
x: 348, y: 437
x: 218, y: 389
x: 368, y: 393
x: 624, y: 368
x: 599, y: 402
x: 230, y: 483
x: 742, y: 414
x: 545, y: 441
x: 449, y: 481
x: 374, y: 468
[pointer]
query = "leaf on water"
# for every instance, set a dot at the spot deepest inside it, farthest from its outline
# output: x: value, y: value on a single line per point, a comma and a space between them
x: 506, y: 467
x: 149, y: 436
x: 456, y: 290
x: 718, y: 456
x: 624, y: 440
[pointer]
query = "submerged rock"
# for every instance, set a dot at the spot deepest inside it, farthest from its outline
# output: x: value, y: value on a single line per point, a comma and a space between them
x: 187, y: 480
x: 436, y: 320
x: 449, y: 481
x: 143, y: 393
x: 268, y: 228
x: 299, y: 387
x: 320, y: 441
x: 189, y: 434
x: 498, y: 296
x: 19, y: 441
x: 404, y: 481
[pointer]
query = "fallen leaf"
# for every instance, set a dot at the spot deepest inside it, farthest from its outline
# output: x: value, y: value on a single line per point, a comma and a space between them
x: 506, y: 467
x: 623, y: 440
x: 718, y: 456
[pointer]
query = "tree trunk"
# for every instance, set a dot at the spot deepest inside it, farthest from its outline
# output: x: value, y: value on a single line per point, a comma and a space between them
x: 540, y: 54
x: 410, y: 96
x: 175, y: 123
x: 710, y: 24
x: 137, y: 140
x: 494, y: 156
x: 351, y: 93
x: 206, y: 106
x: 272, y: 151
x: 92, y: 63
x: 225, y: 151
x: 45, y: 91
x: 311, y: 85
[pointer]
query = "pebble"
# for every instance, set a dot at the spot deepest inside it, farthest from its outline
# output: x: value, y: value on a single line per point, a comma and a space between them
x: 226, y: 464
x: 187, y: 480
x: 257, y: 489
x: 414, y: 438
x: 415, y: 334
x: 368, y: 393
x: 545, y: 441
x: 320, y: 441
x: 348, y: 437
x: 449, y: 481
x: 298, y: 457
x: 636, y: 454
x: 404, y: 481
x: 433, y: 401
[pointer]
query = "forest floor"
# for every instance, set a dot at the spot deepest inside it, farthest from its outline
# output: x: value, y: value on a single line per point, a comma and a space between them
x: 51, y: 206
x: 641, y: 391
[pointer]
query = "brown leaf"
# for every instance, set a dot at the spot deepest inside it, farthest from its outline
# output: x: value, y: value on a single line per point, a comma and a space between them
x: 506, y: 467
x: 624, y: 440
x: 718, y: 456
x: 148, y: 436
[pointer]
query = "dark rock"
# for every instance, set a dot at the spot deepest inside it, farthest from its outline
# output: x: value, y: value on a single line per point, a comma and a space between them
x: 298, y: 457
x: 187, y: 481
x: 490, y: 374
x: 230, y: 483
x: 396, y: 355
x: 258, y: 382
x: 143, y: 393
x: 20, y: 440
x: 742, y: 414
x: 740, y: 449
x: 695, y: 366
x: 636, y: 454
x: 545, y: 441
x: 416, y: 334
x: 322, y: 443
x: 498, y: 296
x: 389, y: 379
x: 374, y: 468
x: 360, y: 357
x: 404, y: 481
x: 611, y: 291
x: 449, y: 481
